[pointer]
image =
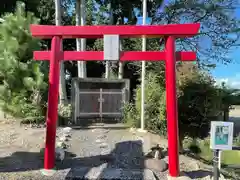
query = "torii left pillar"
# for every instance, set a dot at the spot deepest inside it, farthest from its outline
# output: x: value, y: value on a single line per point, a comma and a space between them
x: 52, y: 115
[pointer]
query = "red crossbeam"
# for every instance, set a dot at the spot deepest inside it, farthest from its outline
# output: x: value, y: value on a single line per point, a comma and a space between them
x: 176, y: 30
x: 125, y: 56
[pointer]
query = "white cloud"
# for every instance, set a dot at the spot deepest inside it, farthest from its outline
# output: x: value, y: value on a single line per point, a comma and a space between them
x: 233, y: 82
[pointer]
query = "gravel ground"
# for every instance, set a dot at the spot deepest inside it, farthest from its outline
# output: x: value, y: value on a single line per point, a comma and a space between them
x: 112, y: 147
x: 104, y: 147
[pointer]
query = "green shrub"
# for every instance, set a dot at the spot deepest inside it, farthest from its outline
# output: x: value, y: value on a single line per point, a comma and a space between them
x: 19, y: 106
x: 199, y: 102
x: 131, y: 117
x: 198, y: 105
x: 206, y: 142
x: 236, y: 141
x: 24, y: 84
x: 187, y: 142
x: 154, y: 106
x: 195, y: 149
x: 64, y: 113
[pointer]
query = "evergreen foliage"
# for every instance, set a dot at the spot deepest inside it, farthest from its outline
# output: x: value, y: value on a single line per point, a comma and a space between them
x: 24, y: 83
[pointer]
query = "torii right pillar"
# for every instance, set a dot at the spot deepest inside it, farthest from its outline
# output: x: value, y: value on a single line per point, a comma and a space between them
x: 172, y: 110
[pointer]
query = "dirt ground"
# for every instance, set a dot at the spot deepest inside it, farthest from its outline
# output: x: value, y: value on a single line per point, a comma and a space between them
x: 20, y: 156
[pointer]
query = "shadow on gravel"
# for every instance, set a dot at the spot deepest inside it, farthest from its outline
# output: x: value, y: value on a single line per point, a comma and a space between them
x: 126, y: 155
x: 129, y: 156
x: 21, y: 161
x: 199, y: 174
x: 196, y: 157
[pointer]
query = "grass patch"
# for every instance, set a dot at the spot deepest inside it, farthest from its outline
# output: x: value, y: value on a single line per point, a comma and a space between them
x: 206, y: 152
x: 231, y: 157
x: 228, y: 157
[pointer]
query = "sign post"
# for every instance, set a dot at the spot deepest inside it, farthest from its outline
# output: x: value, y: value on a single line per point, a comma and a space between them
x: 216, y: 161
x: 221, y: 139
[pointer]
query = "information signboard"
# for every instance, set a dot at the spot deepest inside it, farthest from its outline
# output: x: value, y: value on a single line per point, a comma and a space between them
x: 221, y: 135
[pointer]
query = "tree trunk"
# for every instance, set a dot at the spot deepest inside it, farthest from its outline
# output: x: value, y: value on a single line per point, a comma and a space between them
x: 81, y: 43
x: 120, y: 65
x: 120, y: 70
x: 78, y: 41
x: 62, y: 86
x: 226, y: 113
x: 107, y: 69
x: 181, y: 138
x: 107, y: 65
x: 83, y: 40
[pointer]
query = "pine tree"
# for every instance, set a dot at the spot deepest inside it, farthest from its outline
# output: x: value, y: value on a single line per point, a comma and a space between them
x: 23, y: 82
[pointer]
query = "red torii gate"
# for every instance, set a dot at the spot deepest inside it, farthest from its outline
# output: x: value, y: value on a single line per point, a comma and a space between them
x: 169, y: 32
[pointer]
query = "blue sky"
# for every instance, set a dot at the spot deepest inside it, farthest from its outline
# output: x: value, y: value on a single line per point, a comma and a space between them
x: 229, y: 73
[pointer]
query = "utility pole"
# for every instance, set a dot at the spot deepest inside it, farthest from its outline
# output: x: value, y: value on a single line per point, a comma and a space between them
x: 144, y: 44
x: 62, y: 87
x: 121, y: 65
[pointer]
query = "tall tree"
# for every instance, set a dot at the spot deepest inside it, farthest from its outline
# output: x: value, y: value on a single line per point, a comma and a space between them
x: 10, y: 5
x: 230, y: 96
x: 116, y: 12
x: 24, y: 80
x: 217, y: 19
x: 199, y: 102
x: 107, y: 65
x: 81, y: 43
x: 62, y: 87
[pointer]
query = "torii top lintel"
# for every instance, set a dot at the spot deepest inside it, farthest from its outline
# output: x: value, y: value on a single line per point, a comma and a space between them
x: 151, y: 31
